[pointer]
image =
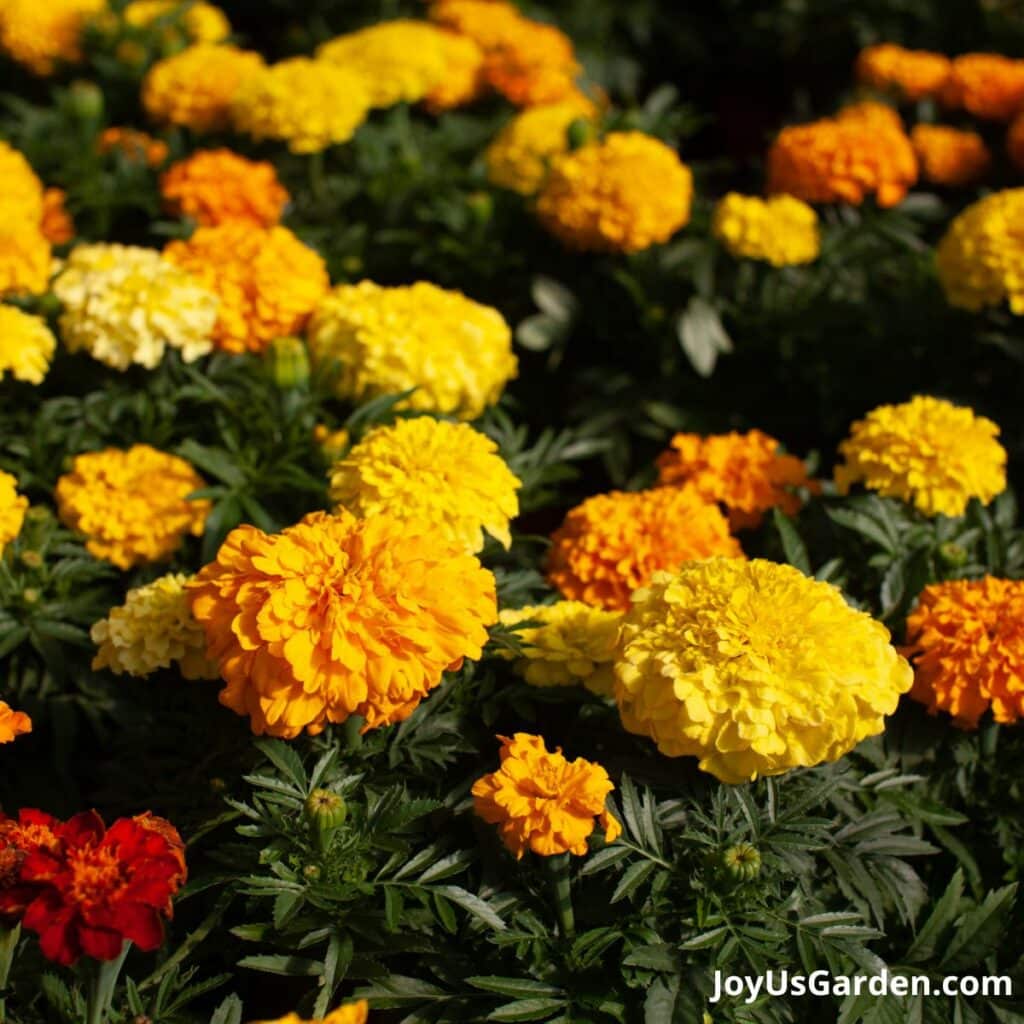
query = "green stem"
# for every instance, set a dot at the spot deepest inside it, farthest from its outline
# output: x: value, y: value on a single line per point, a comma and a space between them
x: 558, y: 867
x: 102, y: 985
x: 8, y: 944
x: 317, y: 180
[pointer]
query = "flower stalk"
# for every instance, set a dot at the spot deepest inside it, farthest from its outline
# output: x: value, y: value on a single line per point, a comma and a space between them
x: 102, y: 985
x: 561, y: 890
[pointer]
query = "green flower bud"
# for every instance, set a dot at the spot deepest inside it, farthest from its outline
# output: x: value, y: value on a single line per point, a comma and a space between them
x: 30, y: 595
x: 742, y: 861
x: 580, y: 132
x: 287, y: 362
x: 86, y: 99
x: 311, y: 872
x: 32, y: 559
x: 953, y: 555
x: 326, y: 813
x: 481, y: 205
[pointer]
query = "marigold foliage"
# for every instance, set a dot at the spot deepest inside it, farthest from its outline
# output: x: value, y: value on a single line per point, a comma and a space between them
x: 927, y: 452
x: 353, y: 1013
x: 987, y: 85
x: 622, y: 194
x: 39, y: 35
x: 338, y: 616
x: 12, y: 725
x: 24, y: 258
x: 543, y: 802
x: 56, y: 224
x: 780, y: 230
x: 754, y: 668
x: 965, y: 639
x: 445, y: 474
x: 613, y: 543
x: 456, y: 353
x: 12, y: 509
x: 911, y: 74
x: 137, y: 146
x: 949, y: 156
x: 26, y: 345
x: 202, y: 22
x: 132, y: 505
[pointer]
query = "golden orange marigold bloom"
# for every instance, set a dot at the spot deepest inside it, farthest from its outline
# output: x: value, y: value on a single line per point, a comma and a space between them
x: 339, y: 616
x: 543, y: 802
x: 21, y: 191
x: 965, y: 640
x: 613, y: 543
x: 353, y: 1013
x: 780, y: 230
x: 139, y: 147
x: 12, y: 509
x: 267, y: 280
x: 202, y: 22
x: 949, y: 156
x: 196, y: 87
x: 131, y: 505
x: 534, y: 63
x: 744, y: 472
x: 213, y: 186
x: 489, y: 23
x: 622, y: 194
x: 39, y: 35
x: 57, y: 226
x: 24, y: 259
x: 26, y: 345
x: 463, y: 81
x: 927, y: 452
x: 911, y: 74
x: 13, y: 723
x: 987, y: 85
x: 871, y: 112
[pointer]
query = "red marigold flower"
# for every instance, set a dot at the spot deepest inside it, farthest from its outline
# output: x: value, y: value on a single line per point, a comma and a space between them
x: 31, y: 831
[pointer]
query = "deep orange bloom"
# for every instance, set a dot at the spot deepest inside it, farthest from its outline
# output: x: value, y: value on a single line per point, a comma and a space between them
x: 13, y: 723
x: 987, y: 85
x: 535, y: 63
x: 57, y: 225
x: 139, y: 147
x: 911, y: 74
x: 30, y: 832
x: 949, y: 156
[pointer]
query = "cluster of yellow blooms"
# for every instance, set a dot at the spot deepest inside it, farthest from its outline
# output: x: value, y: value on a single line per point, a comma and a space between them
x: 26, y: 345
x: 780, y: 230
x: 949, y: 156
x: 13, y: 723
x: 12, y: 509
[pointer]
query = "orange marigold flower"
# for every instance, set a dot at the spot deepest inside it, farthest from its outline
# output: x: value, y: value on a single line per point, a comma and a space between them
x: 912, y: 74
x: 987, y: 85
x: 871, y: 112
x: 339, y: 616
x: 613, y: 543
x: 352, y: 1013
x: 534, y: 63
x: 24, y: 259
x: 1015, y: 142
x: 13, y: 723
x: 131, y: 505
x: 31, y: 831
x: 489, y: 23
x: 57, y: 226
x: 949, y: 156
x: 216, y: 185
x: 744, y: 472
x: 966, y: 642
x: 267, y: 280
x: 39, y: 35
x: 463, y: 81
x: 543, y: 802
x: 139, y: 147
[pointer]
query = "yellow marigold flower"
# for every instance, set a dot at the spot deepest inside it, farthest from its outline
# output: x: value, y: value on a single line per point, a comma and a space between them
x: 136, y: 146
x: 613, y: 543
x: 911, y: 74
x: 153, y: 629
x: 338, y: 616
x: 871, y: 112
x: 574, y: 643
x: 987, y: 85
x: 24, y: 258
x: 310, y: 104
x: 754, y: 668
x: 543, y: 802
x: 622, y: 194
x: 131, y: 505
x: 966, y: 642
x: 353, y: 1013
x: 26, y: 345
x: 13, y: 723
x: 333, y: 443
x: 928, y: 452
x: 12, y: 509
x: 213, y: 186
x: 949, y: 156
x: 56, y: 225
x: 463, y: 78
x: 21, y: 191
x: 487, y: 22
x: 124, y: 305
x: 202, y: 22
x: 518, y: 158
x: 456, y: 353
x: 980, y: 255
x: 267, y: 280
x: 744, y: 472
x: 780, y: 230
x: 445, y: 474
x: 534, y: 63
x: 39, y: 35
x: 195, y: 88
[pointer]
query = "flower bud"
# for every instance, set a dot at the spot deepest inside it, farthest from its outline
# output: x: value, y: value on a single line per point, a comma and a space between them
x: 326, y: 813
x: 86, y: 100
x: 580, y: 132
x: 742, y: 861
x: 30, y: 595
x: 953, y: 555
x: 31, y: 559
x: 288, y: 362
x: 481, y: 205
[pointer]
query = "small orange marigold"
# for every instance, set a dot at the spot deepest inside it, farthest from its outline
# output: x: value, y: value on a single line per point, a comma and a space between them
x: 138, y: 147
x: 987, y: 85
x: 912, y: 74
x: 13, y: 723
x: 949, y: 156
x: 57, y: 226
x: 534, y: 63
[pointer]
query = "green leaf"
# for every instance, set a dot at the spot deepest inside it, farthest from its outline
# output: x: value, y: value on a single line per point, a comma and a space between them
x: 214, y: 461
x: 515, y: 988
x: 290, y: 966
x: 554, y: 299
x: 606, y: 858
x: 539, y: 332
x: 981, y: 931
x: 527, y: 1009
x: 705, y: 939
x: 286, y: 760
x: 229, y: 1012
x: 632, y: 878
x: 792, y: 543
x: 939, y: 920
x: 658, y: 957
x: 474, y: 905
x: 702, y: 335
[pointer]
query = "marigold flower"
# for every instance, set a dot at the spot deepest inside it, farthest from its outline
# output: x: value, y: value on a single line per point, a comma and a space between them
x: 202, y: 22
x: 213, y: 186
x: 912, y: 74
x: 310, y: 104
x: 131, y: 505
x: 445, y: 474
x: 24, y: 258
x: 754, y: 668
x: 987, y: 85
x: 196, y: 87
x: 574, y: 643
x: 622, y: 194
x: 38, y: 35
x: 780, y: 230
x: 26, y: 345
x: 456, y: 353
x: 462, y: 82
x: 268, y: 281
x: 519, y: 156
x: 965, y: 640
x: 31, y: 831
x: 333, y: 443
x: 979, y: 257
x: 56, y: 225
x: 871, y: 112
x: 948, y: 156
x: 613, y: 543
x: 534, y: 63
x: 21, y: 191
x: 543, y: 802
x: 338, y: 616
x: 12, y: 509
x: 137, y: 146
x: 12, y: 725
x: 928, y: 452
x: 489, y: 23
x: 353, y: 1013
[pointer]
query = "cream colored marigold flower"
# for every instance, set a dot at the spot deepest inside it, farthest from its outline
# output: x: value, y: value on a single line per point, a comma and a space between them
x: 131, y: 505
x: 987, y: 85
x: 338, y: 616
x: 202, y: 22
x: 196, y: 87
x: 912, y: 74
x: 613, y: 543
x: 966, y: 642
x: 445, y: 474
x: 125, y: 305
x: 153, y: 629
x: 21, y: 191
x: 24, y: 259
x: 780, y: 230
x: 622, y: 194
x: 12, y: 509
x: 927, y: 452
x: 39, y: 35
x: 462, y: 82
x: 353, y: 1013
x: 310, y: 104
x: 754, y: 668
x: 949, y: 156
x: 456, y: 353
x: 13, y: 723
x: 980, y: 256
x: 26, y: 345
x: 574, y: 643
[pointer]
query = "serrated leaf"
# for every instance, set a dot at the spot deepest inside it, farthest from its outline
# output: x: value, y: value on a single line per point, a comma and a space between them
x: 632, y: 878
x: 516, y: 988
x: 289, y: 966
x: 792, y: 543
x: 980, y: 931
x: 527, y: 1010
x: 474, y: 905
x: 286, y: 760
